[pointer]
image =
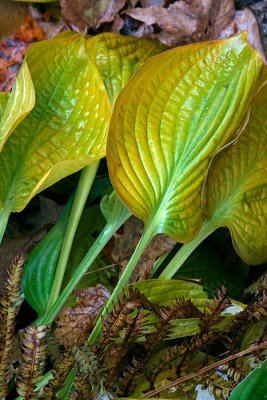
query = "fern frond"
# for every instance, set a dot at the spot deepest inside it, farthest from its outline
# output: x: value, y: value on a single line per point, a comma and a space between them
x: 259, y: 286
x: 196, y: 342
x: 213, y: 310
x: 118, y: 318
x: 82, y: 388
x: 34, y: 355
x: 128, y: 377
x: 218, y: 385
x: 183, y: 308
x: 60, y: 371
x: 54, y: 349
x: 254, y: 312
x: 9, y: 308
x: 116, y: 352
x: 258, y: 310
x: 89, y: 366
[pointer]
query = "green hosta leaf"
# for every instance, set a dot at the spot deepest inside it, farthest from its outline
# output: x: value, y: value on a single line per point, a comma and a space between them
x: 39, y: 269
x: 113, y: 209
x: 253, y: 387
x: 67, y: 128
x: 166, y: 292
x: 118, y: 57
x: 169, y: 121
x: 183, y: 327
x: 253, y: 334
x: 236, y: 189
x: 3, y: 101
x: 20, y: 102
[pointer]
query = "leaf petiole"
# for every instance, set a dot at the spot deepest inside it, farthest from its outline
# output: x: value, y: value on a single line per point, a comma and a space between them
x: 145, y: 239
x: 84, y: 186
x: 4, y: 216
x: 110, y: 206
x: 187, y: 249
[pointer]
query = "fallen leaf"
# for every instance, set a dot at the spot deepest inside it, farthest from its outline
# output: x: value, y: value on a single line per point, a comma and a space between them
x: 126, y: 243
x: 75, y: 323
x: 260, y: 12
x: 11, y: 16
x: 149, y: 3
x: 50, y: 25
x: 112, y: 11
x: 184, y: 22
x: 245, y: 20
x: 13, y: 48
x: 83, y: 13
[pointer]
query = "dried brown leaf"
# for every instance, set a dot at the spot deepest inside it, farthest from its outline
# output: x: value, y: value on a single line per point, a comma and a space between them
x: 112, y: 12
x: 184, y: 22
x: 126, y: 243
x: 83, y: 13
x: 49, y: 24
x: 11, y: 16
x: 13, y: 48
x: 149, y: 3
x: 245, y: 20
x: 75, y: 323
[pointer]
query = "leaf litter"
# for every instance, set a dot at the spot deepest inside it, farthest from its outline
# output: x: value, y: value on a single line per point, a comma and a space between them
x: 75, y: 323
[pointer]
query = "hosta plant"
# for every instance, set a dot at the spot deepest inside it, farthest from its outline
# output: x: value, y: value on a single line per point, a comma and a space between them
x: 185, y: 154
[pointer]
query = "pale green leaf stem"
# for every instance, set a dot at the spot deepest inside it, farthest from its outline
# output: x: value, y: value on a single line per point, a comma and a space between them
x: 84, y: 186
x: 115, y: 214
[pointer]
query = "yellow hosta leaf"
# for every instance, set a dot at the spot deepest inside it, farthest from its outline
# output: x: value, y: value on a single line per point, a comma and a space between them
x: 19, y: 104
x: 118, y: 57
x: 67, y: 128
x: 236, y: 189
x: 169, y: 121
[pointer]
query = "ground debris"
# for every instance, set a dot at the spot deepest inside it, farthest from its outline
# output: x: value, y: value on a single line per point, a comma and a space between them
x: 13, y: 48
x: 83, y: 14
x: 75, y: 323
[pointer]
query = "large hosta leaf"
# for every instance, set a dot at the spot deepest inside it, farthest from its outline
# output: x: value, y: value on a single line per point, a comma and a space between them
x: 118, y: 57
x: 171, y: 118
x: 67, y: 128
x: 254, y: 387
x: 236, y: 189
x: 19, y: 103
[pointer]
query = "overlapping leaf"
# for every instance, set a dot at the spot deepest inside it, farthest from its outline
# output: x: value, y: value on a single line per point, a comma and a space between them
x: 67, y: 128
x: 172, y: 117
x: 39, y: 270
x: 236, y: 189
x: 166, y: 292
x: 19, y: 104
x: 254, y: 387
x: 118, y: 57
